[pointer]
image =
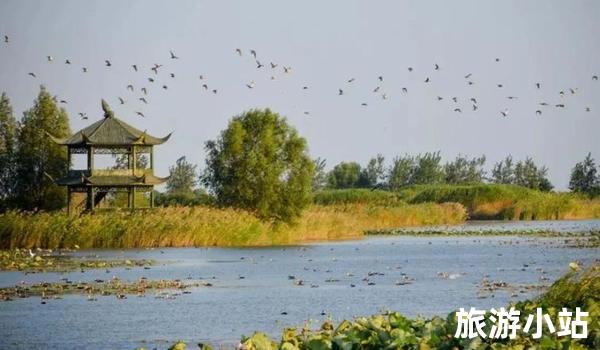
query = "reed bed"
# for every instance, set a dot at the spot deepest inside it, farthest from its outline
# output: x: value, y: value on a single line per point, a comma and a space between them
x: 506, y: 202
x: 207, y: 226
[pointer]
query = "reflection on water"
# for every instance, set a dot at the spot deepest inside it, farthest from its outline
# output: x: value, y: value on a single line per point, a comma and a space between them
x: 253, y: 287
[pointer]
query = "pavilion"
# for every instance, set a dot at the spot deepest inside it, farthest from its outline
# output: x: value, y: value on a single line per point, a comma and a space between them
x: 111, y: 136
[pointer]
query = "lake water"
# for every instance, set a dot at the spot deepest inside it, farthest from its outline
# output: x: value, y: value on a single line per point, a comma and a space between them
x: 252, y: 288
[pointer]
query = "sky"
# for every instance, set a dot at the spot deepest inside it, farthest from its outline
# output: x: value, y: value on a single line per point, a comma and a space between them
x: 326, y: 43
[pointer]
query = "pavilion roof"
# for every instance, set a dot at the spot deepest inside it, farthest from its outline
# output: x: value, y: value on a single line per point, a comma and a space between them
x: 110, y: 131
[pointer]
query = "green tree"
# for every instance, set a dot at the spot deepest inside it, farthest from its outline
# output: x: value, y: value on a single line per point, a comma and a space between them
x: 38, y: 158
x: 374, y: 173
x: 182, y: 179
x: 528, y: 174
x: 122, y: 161
x: 319, y: 180
x: 401, y: 172
x: 428, y: 169
x: 503, y: 171
x: 585, y: 178
x: 260, y: 163
x: 8, y: 140
x: 463, y: 170
x: 344, y: 175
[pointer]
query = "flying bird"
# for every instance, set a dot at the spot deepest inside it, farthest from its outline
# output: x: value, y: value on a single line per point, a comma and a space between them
x: 134, y: 67
x: 436, y: 67
x: 364, y: 104
x: 251, y: 85
x: 67, y: 61
x: 537, y: 85
x: 155, y: 68
x: 143, y: 100
x: 351, y: 80
x: 376, y: 89
x: 440, y: 98
x: 384, y: 96
x: 573, y: 91
x: 538, y: 112
x: 473, y: 100
x: 32, y: 74
x: 340, y: 92
x: 273, y: 65
x: 427, y: 80
x: 410, y: 69
x: 214, y: 91
x: 107, y: 62
x: 151, y: 80
x: 165, y: 87
x: 258, y: 64
x: 239, y: 51
x: 474, y: 108
x: 140, y: 114
x: 404, y: 90
x: 6, y: 39
x: 50, y: 58
x: 84, y: 69
x: 595, y: 77
x: 172, y: 75
x: 253, y: 53
x: 511, y: 97
x: 121, y: 101
x: 205, y: 86
x: 380, y: 78
x: 130, y: 87
x: 458, y: 110
x: 588, y: 109
x: 201, y: 77
x: 145, y: 91
x: 560, y: 105
x: 543, y: 103
x: 468, y: 75
x: 497, y: 59
x: 287, y: 69
x: 470, y: 82
x: 455, y: 99
x: 499, y: 85
x: 305, y: 88
x: 504, y: 112
x: 64, y: 102
x: 82, y: 115
x: 173, y: 57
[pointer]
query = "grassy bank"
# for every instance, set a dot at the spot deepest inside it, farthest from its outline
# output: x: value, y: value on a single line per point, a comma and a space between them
x: 394, y: 331
x: 204, y: 226
x: 506, y: 202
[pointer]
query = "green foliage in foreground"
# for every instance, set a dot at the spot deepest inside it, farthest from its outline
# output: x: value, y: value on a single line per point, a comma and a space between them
x: 394, y: 331
x: 508, y: 202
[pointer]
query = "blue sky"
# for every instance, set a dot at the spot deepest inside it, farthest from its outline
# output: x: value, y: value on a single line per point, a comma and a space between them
x: 326, y: 43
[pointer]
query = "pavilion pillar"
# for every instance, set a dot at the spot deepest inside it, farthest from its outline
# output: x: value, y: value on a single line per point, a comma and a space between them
x: 90, y: 160
x: 133, y: 160
x: 69, y: 199
x: 68, y: 159
x: 151, y: 158
x: 132, y: 197
x: 90, y: 198
x: 152, y: 197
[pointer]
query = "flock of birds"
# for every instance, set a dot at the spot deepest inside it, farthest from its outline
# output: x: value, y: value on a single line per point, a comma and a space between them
x: 157, y: 70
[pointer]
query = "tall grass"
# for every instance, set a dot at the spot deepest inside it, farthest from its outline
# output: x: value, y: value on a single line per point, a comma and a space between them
x: 205, y: 226
x: 508, y: 202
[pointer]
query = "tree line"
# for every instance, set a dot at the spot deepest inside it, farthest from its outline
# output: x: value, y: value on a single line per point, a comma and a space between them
x: 258, y: 162
x: 427, y: 168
